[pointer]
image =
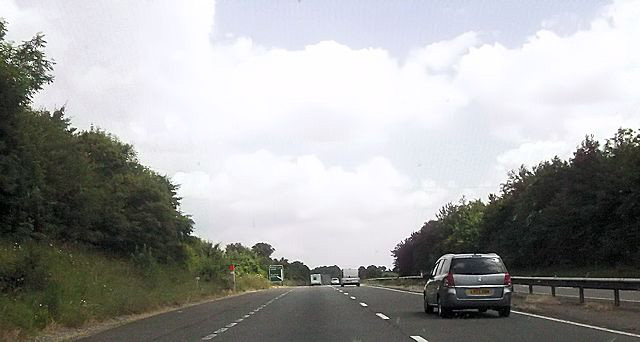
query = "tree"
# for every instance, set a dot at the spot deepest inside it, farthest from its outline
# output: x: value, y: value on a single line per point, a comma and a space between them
x: 362, y: 272
x: 263, y: 249
x: 297, y: 271
x: 24, y: 69
x: 245, y: 260
x: 373, y: 271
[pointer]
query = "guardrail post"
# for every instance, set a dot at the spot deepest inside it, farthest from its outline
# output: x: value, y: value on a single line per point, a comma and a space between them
x: 616, y: 297
x: 553, y: 291
x: 530, y: 289
x: 581, y: 295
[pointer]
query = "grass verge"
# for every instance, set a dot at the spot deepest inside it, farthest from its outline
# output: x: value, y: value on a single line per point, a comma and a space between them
x: 42, y: 285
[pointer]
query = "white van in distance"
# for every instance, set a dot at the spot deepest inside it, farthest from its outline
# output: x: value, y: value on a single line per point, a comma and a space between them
x: 316, y: 279
x: 350, y: 277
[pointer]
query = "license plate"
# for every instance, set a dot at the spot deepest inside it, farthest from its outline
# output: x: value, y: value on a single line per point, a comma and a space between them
x: 479, y: 292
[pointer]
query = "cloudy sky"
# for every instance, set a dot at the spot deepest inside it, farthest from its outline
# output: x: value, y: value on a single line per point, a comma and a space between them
x: 333, y: 129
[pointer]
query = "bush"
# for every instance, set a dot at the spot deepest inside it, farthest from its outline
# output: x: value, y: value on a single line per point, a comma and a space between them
x: 251, y: 282
x: 22, y: 268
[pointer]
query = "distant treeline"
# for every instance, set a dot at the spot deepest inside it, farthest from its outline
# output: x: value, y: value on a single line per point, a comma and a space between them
x: 583, y: 213
x: 370, y: 271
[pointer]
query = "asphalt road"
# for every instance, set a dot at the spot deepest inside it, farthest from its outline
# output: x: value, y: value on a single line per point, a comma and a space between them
x: 628, y: 296
x: 327, y: 313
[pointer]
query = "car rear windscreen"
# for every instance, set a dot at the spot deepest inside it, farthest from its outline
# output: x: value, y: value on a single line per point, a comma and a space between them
x: 477, y: 266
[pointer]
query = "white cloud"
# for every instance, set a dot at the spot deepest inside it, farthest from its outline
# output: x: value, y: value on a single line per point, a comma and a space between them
x: 310, y: 147
x: 444, y: 56
x: 531, y: 154
x: 537, y: 90
x: 308, y: 210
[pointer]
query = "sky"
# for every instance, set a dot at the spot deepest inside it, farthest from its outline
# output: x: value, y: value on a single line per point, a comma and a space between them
x: 334, y: 129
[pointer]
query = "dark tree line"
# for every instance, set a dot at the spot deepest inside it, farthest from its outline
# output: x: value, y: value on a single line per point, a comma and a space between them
x: 334, y: 271
x: 580, y: 213
x: 371, y: 271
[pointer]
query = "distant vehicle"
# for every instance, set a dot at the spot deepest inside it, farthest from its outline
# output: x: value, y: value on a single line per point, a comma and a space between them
x: 350, y: 277
x: 316, y: 279
x: 335, y: 281
x: 468, y: 281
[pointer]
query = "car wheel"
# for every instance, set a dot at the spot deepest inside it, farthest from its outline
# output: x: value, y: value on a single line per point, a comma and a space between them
x: 442, y: 311
x: 358, y: 284
x: 505, y: 312
x: 427, y: 308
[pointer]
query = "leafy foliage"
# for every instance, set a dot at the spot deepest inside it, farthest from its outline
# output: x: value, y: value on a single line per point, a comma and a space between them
x: 580, y: 213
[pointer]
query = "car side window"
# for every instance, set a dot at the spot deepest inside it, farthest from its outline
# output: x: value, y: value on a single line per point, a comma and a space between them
x: 442, y: 262
x: 435, y: 269
x: 444, y: 267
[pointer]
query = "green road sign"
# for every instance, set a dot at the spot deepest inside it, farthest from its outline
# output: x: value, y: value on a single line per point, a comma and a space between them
x: 276, y: 273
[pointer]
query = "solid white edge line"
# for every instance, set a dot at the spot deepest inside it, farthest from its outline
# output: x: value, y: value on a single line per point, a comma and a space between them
x: 576, y: 323
x: 396, y: 290
x: 230, y: 325
x: 536, y: 316
x: 364, y: 305
x: 381, y: 315
x: 419, y: 338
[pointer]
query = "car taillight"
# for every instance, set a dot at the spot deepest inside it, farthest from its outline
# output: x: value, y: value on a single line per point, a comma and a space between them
x: 448, y: 281
x: 507, y: 279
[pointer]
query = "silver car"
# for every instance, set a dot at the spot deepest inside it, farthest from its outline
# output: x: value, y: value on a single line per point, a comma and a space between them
x: 468, y: 281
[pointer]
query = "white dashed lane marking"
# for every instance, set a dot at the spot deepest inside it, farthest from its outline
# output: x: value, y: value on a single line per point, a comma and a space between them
x: 532, y: 315
x: 381, y: 315
x: 237, y: 321
x: 419, y: 339
x: 364, y: 305
x: 352, y: 297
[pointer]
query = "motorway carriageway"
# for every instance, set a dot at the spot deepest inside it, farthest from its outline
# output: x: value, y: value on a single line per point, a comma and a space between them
x: 327, y: 313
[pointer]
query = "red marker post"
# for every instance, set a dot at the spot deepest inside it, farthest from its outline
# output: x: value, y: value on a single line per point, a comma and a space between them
x: 232, y: 268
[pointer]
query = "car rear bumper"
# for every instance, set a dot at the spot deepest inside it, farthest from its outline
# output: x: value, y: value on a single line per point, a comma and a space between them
x: 451, y: 301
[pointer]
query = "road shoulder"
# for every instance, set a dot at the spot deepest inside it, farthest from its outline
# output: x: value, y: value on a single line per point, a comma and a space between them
x: 62, y: 334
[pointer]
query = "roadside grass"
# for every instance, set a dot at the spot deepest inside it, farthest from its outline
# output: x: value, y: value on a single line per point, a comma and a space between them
x: 45, y: 285
x: 252, y: 282
x: 290, y: 282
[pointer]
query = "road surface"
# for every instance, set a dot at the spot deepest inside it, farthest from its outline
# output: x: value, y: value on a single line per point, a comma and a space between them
x: 326, y: 313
